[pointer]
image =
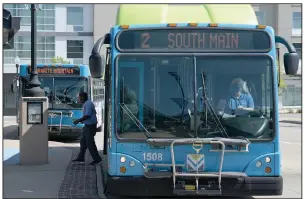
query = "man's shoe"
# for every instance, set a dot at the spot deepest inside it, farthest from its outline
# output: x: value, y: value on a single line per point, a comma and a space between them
x: 78, y: 161
x: 95, y: 162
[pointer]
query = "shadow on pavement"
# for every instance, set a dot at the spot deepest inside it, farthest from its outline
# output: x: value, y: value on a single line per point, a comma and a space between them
x: 11, y: 156
x: 63, y: 139
x: 291, y: 121
x: 10, y: 132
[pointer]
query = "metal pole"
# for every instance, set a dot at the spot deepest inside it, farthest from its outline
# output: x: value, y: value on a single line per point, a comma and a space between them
x: 33, y: 37
x: 17, y: 92
x: 34, y: 89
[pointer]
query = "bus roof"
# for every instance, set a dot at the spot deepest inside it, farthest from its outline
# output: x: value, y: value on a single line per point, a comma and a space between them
x: 173, y: 13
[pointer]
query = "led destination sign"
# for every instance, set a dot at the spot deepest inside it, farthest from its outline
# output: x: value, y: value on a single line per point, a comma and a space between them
x: 57, y: 70
x: 193, y: 40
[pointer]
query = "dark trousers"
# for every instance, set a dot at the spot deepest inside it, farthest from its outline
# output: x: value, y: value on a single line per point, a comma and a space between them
x: 87, y: 142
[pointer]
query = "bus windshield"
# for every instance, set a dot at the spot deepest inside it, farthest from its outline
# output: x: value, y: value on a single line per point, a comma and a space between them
x: 63, y: 92
x: 157, y: 95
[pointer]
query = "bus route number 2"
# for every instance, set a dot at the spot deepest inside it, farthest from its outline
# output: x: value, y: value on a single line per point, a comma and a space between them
x: 153, y: 156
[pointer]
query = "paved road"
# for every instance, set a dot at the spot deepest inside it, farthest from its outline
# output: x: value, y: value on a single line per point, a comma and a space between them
x: 290, y: 138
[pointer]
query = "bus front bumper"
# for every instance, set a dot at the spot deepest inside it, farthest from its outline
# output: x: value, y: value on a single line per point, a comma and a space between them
x: 163, y: 187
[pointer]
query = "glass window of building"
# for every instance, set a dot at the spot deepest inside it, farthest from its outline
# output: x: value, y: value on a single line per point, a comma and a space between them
x: 22, y: 44
x: 292, y: 96
x: 45, y: 16
x: 296, y: 23
x: 298, y: 48
x: 75, y: 18
x: 75, y: 51
x: 260, y: 17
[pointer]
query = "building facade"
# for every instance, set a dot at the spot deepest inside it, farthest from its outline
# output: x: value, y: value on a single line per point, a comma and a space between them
x: 63, y: 30
x: 286, y: 19
x: 70, y: 30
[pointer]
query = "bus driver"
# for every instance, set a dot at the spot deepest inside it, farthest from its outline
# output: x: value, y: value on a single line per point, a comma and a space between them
x: 241, y: 99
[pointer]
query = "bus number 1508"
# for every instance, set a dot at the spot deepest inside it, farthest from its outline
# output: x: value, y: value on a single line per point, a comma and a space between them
x: 153, y: 156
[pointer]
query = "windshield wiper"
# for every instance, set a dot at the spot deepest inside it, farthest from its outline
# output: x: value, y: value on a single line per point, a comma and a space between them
x: 135, y: 120
x: 209, y: 107
x: 129, y: 113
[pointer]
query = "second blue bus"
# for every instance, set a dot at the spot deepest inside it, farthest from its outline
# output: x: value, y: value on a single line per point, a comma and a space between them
x: 61, y: 84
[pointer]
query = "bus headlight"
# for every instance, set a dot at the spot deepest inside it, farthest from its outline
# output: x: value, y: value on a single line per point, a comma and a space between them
x: 123, y: 159
x: 258, y: 164
x: 132, y: 163
x: 268, y: 160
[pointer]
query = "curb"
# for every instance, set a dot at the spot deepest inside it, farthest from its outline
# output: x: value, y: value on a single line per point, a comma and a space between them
x: 99, y: 182
x: 13, y: 127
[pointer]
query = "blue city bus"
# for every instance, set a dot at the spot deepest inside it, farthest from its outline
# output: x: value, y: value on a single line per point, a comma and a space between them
x: 170, y: 126
x: 62, y: 83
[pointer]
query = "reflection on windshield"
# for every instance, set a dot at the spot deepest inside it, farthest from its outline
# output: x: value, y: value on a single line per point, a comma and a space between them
x: 158, y: 100
x: 156, y: 96
x: 46, y: 83
x: 66, y: 92
x: 63, y: 92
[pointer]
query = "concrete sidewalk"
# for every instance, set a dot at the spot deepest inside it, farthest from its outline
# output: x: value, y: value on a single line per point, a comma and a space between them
x: 58, y: 179
x: 31, y: 181
x: 37, y: 181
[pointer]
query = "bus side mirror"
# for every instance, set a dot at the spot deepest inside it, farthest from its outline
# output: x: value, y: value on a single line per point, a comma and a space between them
x: 96, y: 65
x: 291, y: 63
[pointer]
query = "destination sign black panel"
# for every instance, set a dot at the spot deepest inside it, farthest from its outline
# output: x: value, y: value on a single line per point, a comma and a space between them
x: 57, y: 70
x: 193, y: 40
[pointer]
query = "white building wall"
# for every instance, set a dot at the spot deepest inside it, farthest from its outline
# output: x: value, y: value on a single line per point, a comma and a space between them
x: 61, y: 17
x: 61, y: 46
x: 104, y: 19
x: 61, y: 26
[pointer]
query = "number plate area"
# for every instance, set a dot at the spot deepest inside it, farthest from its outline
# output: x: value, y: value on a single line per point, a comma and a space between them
x: 154, y: 157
